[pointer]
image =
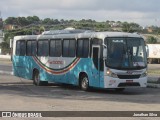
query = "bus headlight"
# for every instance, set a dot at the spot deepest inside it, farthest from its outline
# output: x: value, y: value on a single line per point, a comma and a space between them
x: 111, y: 74
x: 144, y: 74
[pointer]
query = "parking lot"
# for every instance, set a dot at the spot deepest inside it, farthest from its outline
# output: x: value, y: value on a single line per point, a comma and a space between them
x: 53, y: 97
x: 17, y: 94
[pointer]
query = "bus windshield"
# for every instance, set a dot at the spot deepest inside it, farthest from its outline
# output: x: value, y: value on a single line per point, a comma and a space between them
x: 126, y: 53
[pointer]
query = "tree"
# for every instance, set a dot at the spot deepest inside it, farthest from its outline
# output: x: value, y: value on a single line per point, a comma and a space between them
x: 22, y: 21
x: 131, y: 27
x: 5, y: 47
x: 56, y: 21
x: 151, y: 40
x: 1, y: 23
x: 47, y: 21
x: 41, y: 29
x: 11, y: 20
x: 33, y: 19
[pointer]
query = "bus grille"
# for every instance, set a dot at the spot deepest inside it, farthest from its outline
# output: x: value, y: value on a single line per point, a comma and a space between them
x: 129, y: 76
x: 128, y: 84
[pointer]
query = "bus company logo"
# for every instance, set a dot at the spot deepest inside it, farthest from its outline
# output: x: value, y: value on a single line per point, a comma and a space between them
x: 130, y: 72
x: 6, y: 114
x: 55, y: 62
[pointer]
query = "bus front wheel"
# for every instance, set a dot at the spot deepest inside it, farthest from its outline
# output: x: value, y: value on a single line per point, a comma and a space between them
x: 84, y: 83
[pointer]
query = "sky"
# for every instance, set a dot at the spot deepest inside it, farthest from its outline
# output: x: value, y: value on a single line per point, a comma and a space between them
x: 143, y: 12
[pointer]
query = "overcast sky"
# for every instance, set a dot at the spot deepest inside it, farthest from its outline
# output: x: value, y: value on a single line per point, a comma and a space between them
x: 143, y: 12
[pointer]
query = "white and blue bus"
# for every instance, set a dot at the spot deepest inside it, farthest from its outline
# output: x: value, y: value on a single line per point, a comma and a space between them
x: 82, y: 58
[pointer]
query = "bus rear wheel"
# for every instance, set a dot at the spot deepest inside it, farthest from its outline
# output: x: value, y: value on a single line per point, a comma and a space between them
x: 37, y: 81
x: 84, y: 83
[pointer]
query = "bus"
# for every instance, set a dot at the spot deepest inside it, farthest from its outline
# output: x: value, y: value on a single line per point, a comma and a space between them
x: 82, y: 58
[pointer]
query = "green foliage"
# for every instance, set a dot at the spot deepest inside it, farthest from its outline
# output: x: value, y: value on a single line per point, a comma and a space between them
x: 5, y: 47
x: 1, y: 23
x: 8, y: 35
x: 151, y: 40
x: 22, y: 21
x: 131, y: 27
x: 11, y: 20
x: 34, y: 25
x: 49, y: 23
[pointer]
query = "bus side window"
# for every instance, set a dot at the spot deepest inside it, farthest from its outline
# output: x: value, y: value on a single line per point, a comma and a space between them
x: 82, y: 48
x: 21, y: 48
x: 69, y: 48
x: 55, y: 48
x: 43, y: 48
x: 72, y: 48
x: 31, y: 48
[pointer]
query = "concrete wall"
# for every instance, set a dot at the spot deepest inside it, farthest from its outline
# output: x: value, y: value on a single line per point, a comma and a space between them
x: 5, y: 56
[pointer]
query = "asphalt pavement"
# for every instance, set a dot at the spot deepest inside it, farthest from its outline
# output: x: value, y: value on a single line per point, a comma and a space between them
x: 20, y: 94
x: 17, y: 94
x: 5, y: 66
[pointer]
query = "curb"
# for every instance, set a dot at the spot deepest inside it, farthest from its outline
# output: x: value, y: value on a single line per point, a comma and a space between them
x: 153, y: 82
x: 5, y: 57
x: 152, y: 85
x: 6, y: 72
x: 152, y: 79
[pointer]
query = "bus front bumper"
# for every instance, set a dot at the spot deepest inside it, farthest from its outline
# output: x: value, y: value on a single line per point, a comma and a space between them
x: 110, y: 82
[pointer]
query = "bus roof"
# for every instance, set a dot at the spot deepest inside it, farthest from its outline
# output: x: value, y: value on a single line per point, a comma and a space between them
x: 100, y: 35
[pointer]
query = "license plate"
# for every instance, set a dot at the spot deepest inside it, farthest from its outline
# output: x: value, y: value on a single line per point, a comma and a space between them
x: 129, y: 81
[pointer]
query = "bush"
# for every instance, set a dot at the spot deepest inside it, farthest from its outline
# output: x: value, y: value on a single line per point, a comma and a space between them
x: 151, y: 40
x: 5, y: 48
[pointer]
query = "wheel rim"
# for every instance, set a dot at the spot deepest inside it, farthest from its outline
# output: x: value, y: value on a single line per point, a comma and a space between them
x: 84, y: 83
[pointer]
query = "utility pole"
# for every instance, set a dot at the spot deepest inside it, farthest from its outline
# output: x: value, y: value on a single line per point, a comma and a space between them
x: 1, y: 21
x: 32, y: 29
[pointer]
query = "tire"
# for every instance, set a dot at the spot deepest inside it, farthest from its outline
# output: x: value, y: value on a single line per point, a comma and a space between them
x: 84, y: 83
x: 119, y: 89
x: 37, y: 81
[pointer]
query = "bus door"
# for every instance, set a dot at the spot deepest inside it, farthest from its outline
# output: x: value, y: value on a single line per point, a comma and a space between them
x: 20, y: 60
x: 96, y: 65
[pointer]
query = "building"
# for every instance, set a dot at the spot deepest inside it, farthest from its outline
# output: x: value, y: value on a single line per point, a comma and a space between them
x: 11, y: 27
